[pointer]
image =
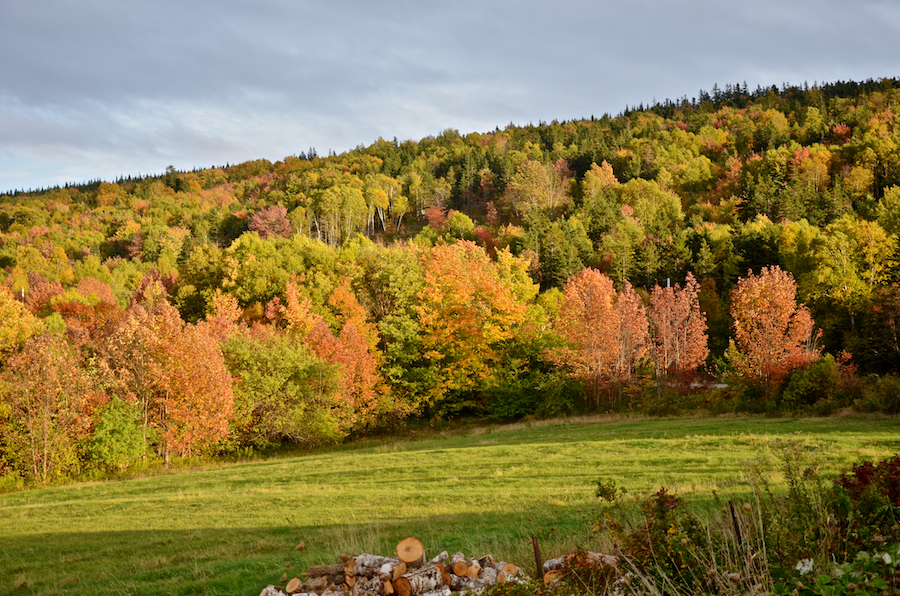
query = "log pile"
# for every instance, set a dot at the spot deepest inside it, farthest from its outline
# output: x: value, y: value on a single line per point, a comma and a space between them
x: 406, y: 574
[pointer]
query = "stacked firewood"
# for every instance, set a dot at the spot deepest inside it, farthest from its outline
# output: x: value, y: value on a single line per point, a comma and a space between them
x: 407, y: 574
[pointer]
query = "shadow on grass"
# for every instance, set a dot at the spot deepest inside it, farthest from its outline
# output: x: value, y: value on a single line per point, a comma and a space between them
x: 244, y: 560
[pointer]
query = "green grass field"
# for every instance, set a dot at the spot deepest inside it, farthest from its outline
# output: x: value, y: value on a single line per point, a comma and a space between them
x: 233, y: 529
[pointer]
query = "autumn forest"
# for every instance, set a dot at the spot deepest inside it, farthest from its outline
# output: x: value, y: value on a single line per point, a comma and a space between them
x: 734, y: 252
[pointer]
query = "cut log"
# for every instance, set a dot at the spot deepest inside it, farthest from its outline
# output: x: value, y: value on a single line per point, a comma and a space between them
x: 350, y: 580
x: 507, y: 568
x: 326, y: 570
x: 488, y: 575
x: 474, y: 569
x: 440, y: 558
x: 598, y: 558
x: 411, y: 551
x: 445, y: 575
x: 486, y: 562
x: 551, y: 575
x: 442, y: 591
x: 388, y: 587
x: 368, y: 587
x: 368, y: 565
x: 419, y: 580
x: 399, y: 570
x: 293, y: 585
x: 458, y: 565
x: 556, y: 563
x: 458, y: 583
x: 501, y: 577
x: 317, y: 584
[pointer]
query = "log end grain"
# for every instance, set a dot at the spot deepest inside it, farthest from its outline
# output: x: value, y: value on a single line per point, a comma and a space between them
x: 410, y: 550
x: 293, y: 585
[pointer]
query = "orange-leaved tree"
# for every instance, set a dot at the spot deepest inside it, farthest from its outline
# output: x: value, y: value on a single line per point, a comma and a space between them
x: 173, y: 374
x: 466, y: 311
x: 48, y: 395
x: 605, y: 333
x: 679, y: 331
x: 773, y: 334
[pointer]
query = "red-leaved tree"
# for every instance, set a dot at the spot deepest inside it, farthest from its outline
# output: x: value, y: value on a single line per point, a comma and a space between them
x: 773, y: 334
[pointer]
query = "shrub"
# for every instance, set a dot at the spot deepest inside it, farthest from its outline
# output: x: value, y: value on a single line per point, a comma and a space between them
x: 879, y: 394
x: 867, y: 502
x: 117, y: 441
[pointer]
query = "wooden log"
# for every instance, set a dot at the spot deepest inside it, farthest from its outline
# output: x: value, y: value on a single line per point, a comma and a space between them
x: 551, y: 575
x: 442, y: 591
x: 556, y: 563
x: 458, y: 583
x: 399, y: 570
x: 487, y: 561
x: 368, y: 587
x: 598, y: 558
x: 488, y: 575
x: 440, y: 558
x: 507, y: 568
x: 369, y: 566
x: 293, y: 585
x: 418, y: 581
x: 319, y: 585
x: 335, y: 573
x: 458, y: 565
x: 501, y: 577
x: 445, y: 575
x: 474, y: 569
x: 411, y: 551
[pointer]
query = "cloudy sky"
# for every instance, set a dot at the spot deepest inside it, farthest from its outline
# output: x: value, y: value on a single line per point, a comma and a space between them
x: 101, y: 88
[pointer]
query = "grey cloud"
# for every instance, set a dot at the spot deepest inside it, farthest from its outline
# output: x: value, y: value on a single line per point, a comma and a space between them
x: 135, y: 84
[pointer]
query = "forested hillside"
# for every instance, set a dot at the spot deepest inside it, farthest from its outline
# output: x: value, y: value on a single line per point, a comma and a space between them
x: 612, y: 263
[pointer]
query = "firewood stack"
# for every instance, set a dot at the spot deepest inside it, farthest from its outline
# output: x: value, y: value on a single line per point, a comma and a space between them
x: 407, y: 574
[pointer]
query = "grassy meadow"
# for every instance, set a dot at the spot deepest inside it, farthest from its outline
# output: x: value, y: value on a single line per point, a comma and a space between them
x: 232, y: 529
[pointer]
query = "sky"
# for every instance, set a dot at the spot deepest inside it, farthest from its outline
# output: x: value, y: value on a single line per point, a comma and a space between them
x: 97, y: 89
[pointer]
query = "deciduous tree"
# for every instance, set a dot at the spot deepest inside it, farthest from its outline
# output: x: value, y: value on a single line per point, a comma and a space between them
x: 589, y: 324
x: 679, y: 331
x: 773, y: 334
x: 48, y: 395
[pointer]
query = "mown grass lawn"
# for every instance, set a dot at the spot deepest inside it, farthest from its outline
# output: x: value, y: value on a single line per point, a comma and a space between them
x: 233, y: 529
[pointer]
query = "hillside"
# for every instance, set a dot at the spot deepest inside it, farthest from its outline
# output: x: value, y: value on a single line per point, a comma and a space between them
x: 613, y: 263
